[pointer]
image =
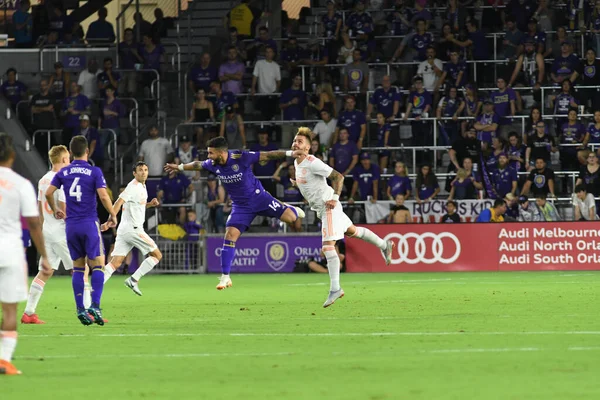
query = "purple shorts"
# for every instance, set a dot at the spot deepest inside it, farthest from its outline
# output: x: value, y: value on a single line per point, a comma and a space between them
x: 84, y: 240
x: 266, y: 206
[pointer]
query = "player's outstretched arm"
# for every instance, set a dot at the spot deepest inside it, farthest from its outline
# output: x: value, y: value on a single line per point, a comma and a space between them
x: 279, y: 154
x: 193, y: 166
x: 117, y: 206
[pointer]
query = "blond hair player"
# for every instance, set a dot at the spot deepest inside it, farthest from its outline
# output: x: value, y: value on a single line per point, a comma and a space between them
x: 17, y: 199
x: 311, y: 179
x: 54, y: 232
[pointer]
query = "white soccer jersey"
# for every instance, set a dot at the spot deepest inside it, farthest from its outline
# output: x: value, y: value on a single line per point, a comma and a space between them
x: 53, y: 228
x: 135, y: 196
x: 17, y: 198
x: 311, y: 178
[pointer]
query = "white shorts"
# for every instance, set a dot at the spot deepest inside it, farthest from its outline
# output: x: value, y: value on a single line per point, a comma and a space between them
x: 128, y: 240
x: 13, y: 278
x: 57, y: 252
x: 334, y: 223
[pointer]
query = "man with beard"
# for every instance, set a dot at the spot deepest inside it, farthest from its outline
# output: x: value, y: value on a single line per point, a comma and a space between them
x: 529, y: 71
x: 465, y: 147
x: 504, y: 178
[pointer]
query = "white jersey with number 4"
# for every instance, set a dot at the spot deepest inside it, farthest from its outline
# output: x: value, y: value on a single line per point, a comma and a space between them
x: 53, y: 228
x: 135, y: 197
x: 311, y: 178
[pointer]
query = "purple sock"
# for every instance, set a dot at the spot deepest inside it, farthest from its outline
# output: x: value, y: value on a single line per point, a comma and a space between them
x: 97, y: 285
x: 227, y: 255
x: 78, y: 285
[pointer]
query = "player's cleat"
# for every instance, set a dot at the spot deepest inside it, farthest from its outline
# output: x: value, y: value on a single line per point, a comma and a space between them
x: 387, y: 253
x: 133, y: 285
x: 96, y: 314
x: 224, y: 282
x: 7, y: 368
x: 93, y: 319
x: 333, y: 296
x: 31, y: 319
x: 85, y: 318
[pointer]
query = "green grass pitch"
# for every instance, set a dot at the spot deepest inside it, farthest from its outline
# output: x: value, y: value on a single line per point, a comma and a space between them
x: 393, y: 336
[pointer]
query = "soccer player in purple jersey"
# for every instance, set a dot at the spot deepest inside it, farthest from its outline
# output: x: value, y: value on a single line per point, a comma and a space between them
x: 234, y: 169
x: 81, y: 182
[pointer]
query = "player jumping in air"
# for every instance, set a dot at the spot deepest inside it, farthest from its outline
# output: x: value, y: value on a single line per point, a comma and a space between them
x: 311, y: 179
x: 131, y: 233
x: 234, y: 169
x: 81, y: 182
x: 18, y: 199
x: 54, y: 234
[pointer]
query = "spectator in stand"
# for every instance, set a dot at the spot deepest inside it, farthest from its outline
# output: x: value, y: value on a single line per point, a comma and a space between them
x: 456, y: 15
x: 512, y: 39
x: 108, y: 77
x: 223, y: 99
x: 359, y: 22
x: 431, y: 70
x: 23, y: 26
x: 463, y: 186
x: 451, y: 217
x: 522, y: 12
x: 202, y: 110
x: 555, y: 50
x: 427, y: 187
x: 443, y: 45
x: 43, y: 116
x: 399, y: 183
x: 174, y: 188
x: 418, y: 106
x: 267, y: 167
x: 236, y: 42
x: 202, y: 75
x: 345, y: 54
x: 258, y: 49
x: 356, y: 74
x: 529, y: 71
x: 494, y: 214
x: 399, y: 214
x: 292, y: 103
x: 504, y: 178
x: 487, y: 123
x: 101, y: 30
x: 566, y: 65
x: 317, y: 56
x: 12, y: 89
x: 60, y: 82
x: 88, y: 79
x: 73, y: 107
x: 584, y: 204
x: 344, y: 157
x: 268, y: 76
x: 516, y: 152
x: 544, y: 15
x: 160, y: 26
x: 155, y: 151
x: 421, y: 12
x: 450, y: 106
x: 563, y: 102
x: 152, y: 56
x: 539, y: 146
x: 324, y: 99
x: 291, y: 193
x: 366, y: 180
x: 491, y: 155
x: 589, y: 175
x: 61, y: 22
x: 386, y: 100
x: 504, y: 102
x: 465, y: 147
x: 231, y: 73
x: 512, y: 208
x: 538, y: 37
x: 186, y: 153
x: 141, y: 27
x: 192, y: 228
x: 94, y: 139
x: 535, y: 116
x: 331, y: 22
x: 528, y: 212
x: 476, y: 41
x: 353, y: 121
x: 325, y: 129
x: 383, y: 140
x: 232, y: 129
x: 540, y: 180
x: 573, y: 140
x: 111, y: 112
x: 241, y: 17
x: 590, y: 74
x: 455, y: 71
x: 290, y: 57
x: 128, y: 52
x: 418, y: 41
x: 547, y: 209
x: 316, y: 150
x: 400, y: 20
x: 216, y: 198
x: 593, y: 132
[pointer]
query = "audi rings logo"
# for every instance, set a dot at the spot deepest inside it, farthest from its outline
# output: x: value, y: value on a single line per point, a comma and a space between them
x: 438, y: 253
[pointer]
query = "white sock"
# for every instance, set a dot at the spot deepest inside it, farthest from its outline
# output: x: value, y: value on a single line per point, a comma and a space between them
x: 8, y: 343
x: 109, y: 269
x: 146, y: 267
x: 333, y: 266
x: 368, y: 236
x: 35, y: 293
x: 87, y: 295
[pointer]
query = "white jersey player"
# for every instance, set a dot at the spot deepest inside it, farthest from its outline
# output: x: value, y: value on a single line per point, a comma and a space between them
x: 130, y: 232
x: 54, y: 232
x: 311, y: 179
x: 17, y: 198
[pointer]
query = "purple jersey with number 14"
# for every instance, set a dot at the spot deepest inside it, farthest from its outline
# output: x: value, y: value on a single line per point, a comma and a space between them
x: 80, y: 181
x: 247, y: 194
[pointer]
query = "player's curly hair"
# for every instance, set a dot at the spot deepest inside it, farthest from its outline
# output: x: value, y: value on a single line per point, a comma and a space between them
x: 306, y: 132
x: 78, y: 145
x: 7, y: 149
